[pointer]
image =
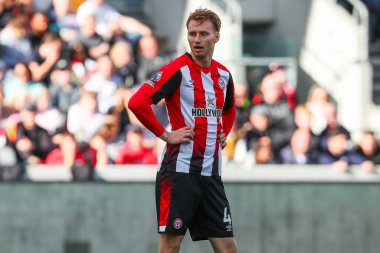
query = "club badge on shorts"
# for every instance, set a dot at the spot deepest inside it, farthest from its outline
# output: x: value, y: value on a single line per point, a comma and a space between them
x: 177, y: 223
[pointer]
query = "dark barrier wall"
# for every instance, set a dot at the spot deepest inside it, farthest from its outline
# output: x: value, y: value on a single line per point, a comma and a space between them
x: 120, y: 217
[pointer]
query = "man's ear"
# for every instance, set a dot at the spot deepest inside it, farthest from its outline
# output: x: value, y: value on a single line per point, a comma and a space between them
x: 217, y: 37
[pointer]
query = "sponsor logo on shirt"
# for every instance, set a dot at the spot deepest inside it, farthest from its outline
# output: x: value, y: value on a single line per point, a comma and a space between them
x: 210, y: 111
x: 206, y: 112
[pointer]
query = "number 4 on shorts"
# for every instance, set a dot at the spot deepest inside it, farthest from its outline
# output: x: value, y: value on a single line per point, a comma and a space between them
x: 227, y: 217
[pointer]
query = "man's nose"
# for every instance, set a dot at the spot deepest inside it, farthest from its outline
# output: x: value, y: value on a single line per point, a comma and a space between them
x: 197, y: 38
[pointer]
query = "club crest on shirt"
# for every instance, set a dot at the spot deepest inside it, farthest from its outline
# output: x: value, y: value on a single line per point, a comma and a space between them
x: 221, y: 83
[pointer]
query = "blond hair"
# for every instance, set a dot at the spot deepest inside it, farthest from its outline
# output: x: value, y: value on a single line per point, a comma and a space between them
x: 201, y: 15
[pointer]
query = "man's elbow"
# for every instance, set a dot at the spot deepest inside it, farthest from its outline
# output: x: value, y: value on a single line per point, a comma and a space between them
x: 133, y: 104
x: 139, y: 102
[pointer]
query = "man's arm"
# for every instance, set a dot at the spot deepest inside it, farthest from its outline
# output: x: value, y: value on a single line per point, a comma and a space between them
x: 228, y: 117
x: 140, y: 105
x: 229, y: 110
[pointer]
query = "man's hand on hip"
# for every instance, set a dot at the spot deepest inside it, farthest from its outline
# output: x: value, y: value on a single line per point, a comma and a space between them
x: 181, y: 135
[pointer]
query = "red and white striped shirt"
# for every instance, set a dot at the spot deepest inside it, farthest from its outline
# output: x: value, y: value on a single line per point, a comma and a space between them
x: 200, y: 97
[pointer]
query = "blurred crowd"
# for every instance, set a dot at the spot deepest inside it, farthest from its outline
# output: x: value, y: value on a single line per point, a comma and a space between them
x: 65, y: 79
x: 273, y: 128
x: 66, y: 75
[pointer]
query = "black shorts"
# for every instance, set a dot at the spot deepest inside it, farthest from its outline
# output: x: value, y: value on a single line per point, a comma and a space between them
x: 198, y: 203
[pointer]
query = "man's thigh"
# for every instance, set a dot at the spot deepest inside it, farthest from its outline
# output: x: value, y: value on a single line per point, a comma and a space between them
x: 177, y: 196
x: 213, y: 214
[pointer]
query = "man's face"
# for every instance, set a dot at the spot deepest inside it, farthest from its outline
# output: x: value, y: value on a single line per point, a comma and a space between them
x: 337, y: 144
x: 202, y: 38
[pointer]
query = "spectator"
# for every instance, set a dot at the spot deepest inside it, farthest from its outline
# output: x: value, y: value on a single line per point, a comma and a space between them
x: 99, y: 144
x: 261, y: 153
x: 264, y: 152
x: 120, y: 109
x: 150, y: 58
x: 112, y: 135
x: 302, y: 117
x: 65, y: 19
x: 106, y: 14
x: 63, y: 92
x: 337, y: 153
x: 299, y: 150
x: 93, y: 44
x: 289, y: 92
x: 6, y: 12
x: 256, y: 128
x: 49, y: 52
x: 48, y: 117
x: 125, y: 66
x: 281, y: 123
x: 33, y: 143
x: 332, y: 124
x: 242, y: 104
x: 39, y: 26
x: 236, y: 147
x: 318, y: 98
x: 368, y: 147
x: 82, y: 66
x: 69, y: 153
x: 104, y: 82
x: 133, y: 151
x: 20, y: 100
x: 80, y: 159
x: 15, y: 44
x: 22, y: 8
x: 302, y: 120
x: 20, y: 82
x: 83, y: 118
x: 259, y: 123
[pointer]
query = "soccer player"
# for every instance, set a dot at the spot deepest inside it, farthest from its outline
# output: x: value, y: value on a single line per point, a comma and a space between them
x: 199, y: 95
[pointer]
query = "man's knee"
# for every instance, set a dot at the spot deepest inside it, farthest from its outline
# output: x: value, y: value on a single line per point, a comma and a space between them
x: 224, y: 245
x: 230, y: 248
x: 170, y: 243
